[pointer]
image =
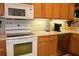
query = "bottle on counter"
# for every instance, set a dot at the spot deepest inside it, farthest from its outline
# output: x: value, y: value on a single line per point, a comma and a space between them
x: 47, y: 29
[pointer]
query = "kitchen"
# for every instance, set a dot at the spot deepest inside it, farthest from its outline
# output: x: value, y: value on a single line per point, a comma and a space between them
x: 39, y: 29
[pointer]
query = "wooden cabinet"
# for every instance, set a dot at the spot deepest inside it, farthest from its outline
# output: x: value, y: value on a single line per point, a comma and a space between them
x: 38, y: 10
x: 71, y: 11
x: 74, y: 44
x: 56, y: 10
x: 64, y: 11
x: 2, y: 48
x: 43, y: 10
x: 53, y: 45
x: 48, y: 10
x: 47, y: 45
x: 43, y: 46
x: 1, y: 9
x: 63, y: 42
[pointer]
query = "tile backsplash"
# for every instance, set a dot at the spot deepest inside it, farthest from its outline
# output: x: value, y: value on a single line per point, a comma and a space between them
x: 42, y: 24
x: 38, y: 25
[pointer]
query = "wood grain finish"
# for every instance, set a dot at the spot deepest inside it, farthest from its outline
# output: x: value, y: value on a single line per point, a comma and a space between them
x: 71, y: 11
x: 38, y: 10
x: 43, y: 46
x: 64, y: 10
x: 47, y: 45
x: 2, y: 48
x: 1, y: 9
x: 56, y: 8
x: 74, y: 44
x: 53, y: 46
x: 63, y: 42
x: 48, y: 10
x: 2, y: 45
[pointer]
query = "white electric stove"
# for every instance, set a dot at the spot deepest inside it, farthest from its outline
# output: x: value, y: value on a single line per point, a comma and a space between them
x: 20, y: 41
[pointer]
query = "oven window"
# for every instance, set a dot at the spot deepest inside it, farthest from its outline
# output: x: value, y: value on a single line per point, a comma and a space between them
x: 16, y: 12
x: 23, y: 48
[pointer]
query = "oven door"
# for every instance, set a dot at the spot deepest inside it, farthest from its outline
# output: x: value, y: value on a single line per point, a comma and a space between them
x: 22, y: 46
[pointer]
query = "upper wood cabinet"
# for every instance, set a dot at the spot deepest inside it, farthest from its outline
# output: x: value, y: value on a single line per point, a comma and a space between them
x: 64, y: 11
x: 48, y: 10
x: 38, y: 10
x: 56, y: 10
x: 43, y: 10
x: 1, y: 9
x: 71, y: 11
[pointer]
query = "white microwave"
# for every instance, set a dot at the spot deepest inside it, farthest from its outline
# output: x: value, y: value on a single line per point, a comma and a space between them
x: 19, y: 11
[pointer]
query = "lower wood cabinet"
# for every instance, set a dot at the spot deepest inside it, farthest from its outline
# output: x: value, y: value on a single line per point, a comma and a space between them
x: 53, y: 45
x: 43, y: 46
x: 47, y: 45
x: 74, y: 44
x: 2, y: 48
x: 62, y: 44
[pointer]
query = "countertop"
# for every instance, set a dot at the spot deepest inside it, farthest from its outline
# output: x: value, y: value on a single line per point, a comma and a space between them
x: 44, y: 33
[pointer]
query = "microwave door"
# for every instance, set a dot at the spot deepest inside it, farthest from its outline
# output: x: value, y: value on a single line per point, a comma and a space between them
x: 16, y: 12
x: 19, y: 11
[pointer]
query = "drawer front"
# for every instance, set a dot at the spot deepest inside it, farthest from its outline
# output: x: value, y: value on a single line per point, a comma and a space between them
x: 53, y: 37
x: 75, y: 36
x: 43, y: 38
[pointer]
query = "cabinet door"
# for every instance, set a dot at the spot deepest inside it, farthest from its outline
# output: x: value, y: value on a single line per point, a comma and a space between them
x: 1, y: 9
x: 53, y: 46
x: 56, y: 10
x: 64, y: 10
x: 2, y: 52
x: 38, y: 10
x: 63, y: 40
x: 71, y: 11
x: 43, y: 46
x: 2, y: 48
x: 74, y: 44
x: 48, y: 10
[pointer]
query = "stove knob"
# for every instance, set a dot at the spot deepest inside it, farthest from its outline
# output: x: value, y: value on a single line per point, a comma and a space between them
x: 18, y: 25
